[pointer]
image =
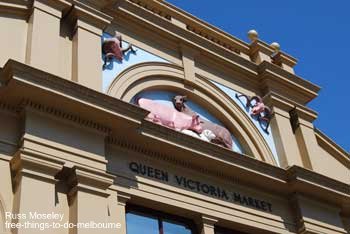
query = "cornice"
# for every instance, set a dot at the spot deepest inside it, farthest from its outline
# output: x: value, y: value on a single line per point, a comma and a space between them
x: 30, y: 105
x: 8, y: 108
x: 281, y: 57
x: 274, y: 78
x: 99, y: 4
x: 298, y: 174
x: 80, y: 15
x: 195, y: 25
x: 59, y: 5
x: 16, y: 71
x: 127, y: 11
x: 20, y: 8
x: 276, y: 100
x: 330, y: 146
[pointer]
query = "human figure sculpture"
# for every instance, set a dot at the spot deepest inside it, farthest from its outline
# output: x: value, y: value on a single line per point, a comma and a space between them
x: 112, y: 48
x: 169, y: 117
x: 259, y: 109
x: 222, y: 135
x: 206, y: 135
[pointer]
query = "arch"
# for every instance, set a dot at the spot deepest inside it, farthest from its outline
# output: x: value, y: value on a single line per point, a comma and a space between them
x: 164, y: 76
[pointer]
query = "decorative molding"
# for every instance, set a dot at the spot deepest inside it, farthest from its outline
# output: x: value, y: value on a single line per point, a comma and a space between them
x: 273, y: 76
x: 127, y: 145
x: 23, y: 163
x: 296, y: 173
x: 26, y: 103
x: 85, y: 13
x: 198, y: 27
x: 207, y: 36
x: 19, y: 8
x: 330, y: 146
x: 208, y: 221
x: 22, y: 72
x: 123, y: 198
x: 79, y: 178
x: 8, y: 107
x: 152, y: 9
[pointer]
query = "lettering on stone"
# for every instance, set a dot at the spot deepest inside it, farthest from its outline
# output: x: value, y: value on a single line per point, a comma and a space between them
x: 200, y: 187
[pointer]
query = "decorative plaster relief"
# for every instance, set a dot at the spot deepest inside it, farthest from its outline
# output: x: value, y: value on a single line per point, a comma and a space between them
x: 242, y: 104
x: 166, y: 98
x: 131, y: 57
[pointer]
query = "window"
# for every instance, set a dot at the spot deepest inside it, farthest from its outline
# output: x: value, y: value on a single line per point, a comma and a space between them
x: 148, y: 221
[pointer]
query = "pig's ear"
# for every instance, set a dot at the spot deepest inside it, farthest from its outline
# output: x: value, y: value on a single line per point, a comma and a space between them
x: 184, y: 98
x: 195, y: 118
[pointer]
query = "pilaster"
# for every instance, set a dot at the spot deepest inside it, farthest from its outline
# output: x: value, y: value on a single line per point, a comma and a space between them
x: 188, y: 57
x: 34, y: 188
x: 207, y: 225
x: 122, y: 200
x: 285, y: 141
x: 87, y: 194
x: 43, y: 37
x: 308, y: 212
x: 87, y: 55
x: 305, y: 135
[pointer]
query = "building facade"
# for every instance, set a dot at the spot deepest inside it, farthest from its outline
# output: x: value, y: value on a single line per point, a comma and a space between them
x: 90, y: 130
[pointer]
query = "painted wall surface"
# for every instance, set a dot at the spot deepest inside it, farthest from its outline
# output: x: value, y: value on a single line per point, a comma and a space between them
x: 241, y: 103
x: 165, y: 98
x: 115, y: 68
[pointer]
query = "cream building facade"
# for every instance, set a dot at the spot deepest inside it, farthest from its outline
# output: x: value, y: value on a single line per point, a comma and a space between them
x: 71, y: 147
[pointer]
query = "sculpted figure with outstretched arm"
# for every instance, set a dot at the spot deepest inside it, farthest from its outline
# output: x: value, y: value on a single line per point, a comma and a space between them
x: 112, y: 48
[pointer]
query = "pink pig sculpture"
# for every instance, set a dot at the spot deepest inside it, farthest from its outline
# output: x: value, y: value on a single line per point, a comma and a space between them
x: 169, y: 117
x: 258, y: 108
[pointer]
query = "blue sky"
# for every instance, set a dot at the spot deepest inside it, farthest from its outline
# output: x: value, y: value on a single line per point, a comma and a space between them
x: 316, y: 32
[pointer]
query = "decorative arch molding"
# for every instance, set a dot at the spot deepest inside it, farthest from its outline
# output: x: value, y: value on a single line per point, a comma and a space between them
x: 169, y: 77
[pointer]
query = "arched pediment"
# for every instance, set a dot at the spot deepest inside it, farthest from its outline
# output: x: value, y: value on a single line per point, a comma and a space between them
x: 169, y: 77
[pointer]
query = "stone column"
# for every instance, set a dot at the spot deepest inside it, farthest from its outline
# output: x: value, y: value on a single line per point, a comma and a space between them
x: 43, y: 37
x: 87, y: 197
x: 304, y: 132
x: 87, y: 55
x: 207, y: 225
x: 35, y: 191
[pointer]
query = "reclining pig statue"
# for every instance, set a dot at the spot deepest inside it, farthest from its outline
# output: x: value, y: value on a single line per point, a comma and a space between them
x: 221, y: 135
x: 169, y: 117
